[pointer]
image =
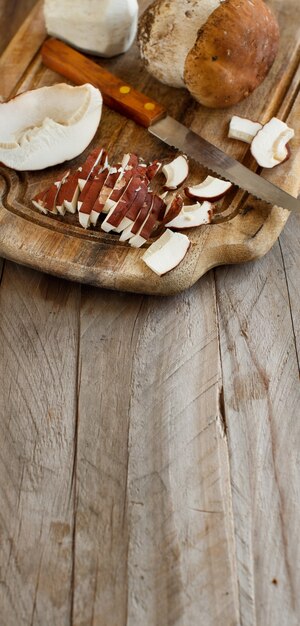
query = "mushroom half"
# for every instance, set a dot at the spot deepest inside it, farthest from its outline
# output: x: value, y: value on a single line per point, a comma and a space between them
x: 269, y: 147
x: 49, y: 125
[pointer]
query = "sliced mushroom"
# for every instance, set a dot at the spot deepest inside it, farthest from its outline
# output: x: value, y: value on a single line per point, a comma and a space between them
x: 192, y: 215
x: 166, y: 252
x: 269, y: 146
x: 220, y: 51
x: 176, y: 172
x: 132, y: 213
x: 155, y: 214
x: 92, y: 192
x: 49, y: 125
x: 210, y: 189
x: 118, y: 212
x: 133, y: 228
x: 243, y: 129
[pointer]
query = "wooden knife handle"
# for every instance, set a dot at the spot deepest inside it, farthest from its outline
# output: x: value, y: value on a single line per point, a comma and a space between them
x: 117, y: 94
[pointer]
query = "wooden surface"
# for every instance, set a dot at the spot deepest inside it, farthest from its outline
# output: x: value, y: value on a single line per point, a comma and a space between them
x: 62, y: 247
x: 149, y: 448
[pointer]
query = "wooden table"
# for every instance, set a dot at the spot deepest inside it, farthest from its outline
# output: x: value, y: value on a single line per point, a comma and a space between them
x: 149, y: 455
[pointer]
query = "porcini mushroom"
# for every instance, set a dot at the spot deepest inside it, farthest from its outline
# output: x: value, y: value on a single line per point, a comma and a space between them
x: 269, y: 146
x: 105, y: 28
x: 47, y: 126
x: 192, y: 215
x: 219, y: 50
x: 243, y: 129
x: 166, y: 252
x: 210, y: 189
x: 176, y: 172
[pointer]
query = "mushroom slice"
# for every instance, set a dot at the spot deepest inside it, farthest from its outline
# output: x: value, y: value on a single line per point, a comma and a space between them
x: 117, y: 212
x: 176, y: 172
x: 153, y: 169
x: 166, y: 252
x: 93, y: 190
x: 133, y: 228
x: 77, y: 180
x: 155, y: 215
x: 210, y: 189
x: 47, y: 126
x: 192, y: 215
x: 46, y: 200
x: 133, y: 211
x: 243, y: 129
x: 269, y: 146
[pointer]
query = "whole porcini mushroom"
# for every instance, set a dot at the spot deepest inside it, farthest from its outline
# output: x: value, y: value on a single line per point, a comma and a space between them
x: 219, y: 50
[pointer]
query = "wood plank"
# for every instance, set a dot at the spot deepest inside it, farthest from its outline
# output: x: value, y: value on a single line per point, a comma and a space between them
x: 21, y: 50
x: 38, y: 364
x: 153, y: 535
x: 259, y: 349
x: 12, y: 15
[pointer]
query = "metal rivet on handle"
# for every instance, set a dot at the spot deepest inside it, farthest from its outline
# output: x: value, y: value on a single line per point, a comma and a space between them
x: 149, y: 106
x: 125, y: 89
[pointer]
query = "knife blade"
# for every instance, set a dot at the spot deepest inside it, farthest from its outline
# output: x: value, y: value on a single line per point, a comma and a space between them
x: 123, y: 98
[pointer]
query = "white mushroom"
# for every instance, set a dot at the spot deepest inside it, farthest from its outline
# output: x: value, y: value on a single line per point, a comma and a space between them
x: 176, y: 172
x: 210, y: 189
x: 49, y: 125
x: 243, y: 129
x: 192, y: 215
x: 106, y: 28
x: 269, y: 146
x: 166, y: 252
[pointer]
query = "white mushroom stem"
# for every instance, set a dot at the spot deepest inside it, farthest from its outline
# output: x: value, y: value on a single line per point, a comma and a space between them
x: 243, y: 129
x: 166, y: 252
x: 176, y: 172
x: 107, y: 28
x: 269, y: 146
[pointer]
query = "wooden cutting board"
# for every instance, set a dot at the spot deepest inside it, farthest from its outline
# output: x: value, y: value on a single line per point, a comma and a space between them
x: 60, y: 246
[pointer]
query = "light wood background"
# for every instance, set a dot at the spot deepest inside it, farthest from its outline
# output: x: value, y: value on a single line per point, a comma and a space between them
x: 149, y: 448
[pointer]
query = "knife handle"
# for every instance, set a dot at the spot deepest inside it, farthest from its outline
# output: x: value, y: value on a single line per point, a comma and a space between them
x: 117, y: 94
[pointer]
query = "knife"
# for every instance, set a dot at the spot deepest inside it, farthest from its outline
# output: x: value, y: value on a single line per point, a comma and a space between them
x: 120, y: 96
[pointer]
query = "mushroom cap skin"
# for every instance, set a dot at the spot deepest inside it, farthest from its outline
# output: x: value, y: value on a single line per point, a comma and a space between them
x: 233, y: 53
x: 167, y: 30
x: 49, y: 125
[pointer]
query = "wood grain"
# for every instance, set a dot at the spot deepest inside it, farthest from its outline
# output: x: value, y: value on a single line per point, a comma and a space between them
x: 154, y: 535
x: 12, y: 14
x: 94, y: 257
x: 38, y: 362
x: 259, y: 334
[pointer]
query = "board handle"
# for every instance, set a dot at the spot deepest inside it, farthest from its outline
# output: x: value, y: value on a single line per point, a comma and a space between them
x: 117, y: 94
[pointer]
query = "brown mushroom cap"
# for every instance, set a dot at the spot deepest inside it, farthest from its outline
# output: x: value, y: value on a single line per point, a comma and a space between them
x: 233, y: 53
x: 167, y: 31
